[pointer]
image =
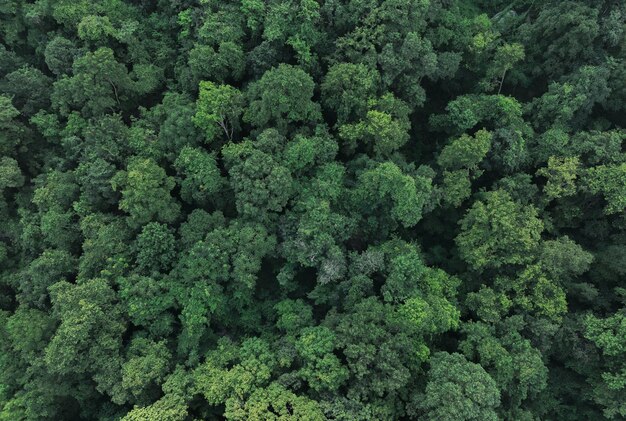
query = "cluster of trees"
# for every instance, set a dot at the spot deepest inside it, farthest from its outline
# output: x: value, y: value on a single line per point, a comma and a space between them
x: 312, y: 209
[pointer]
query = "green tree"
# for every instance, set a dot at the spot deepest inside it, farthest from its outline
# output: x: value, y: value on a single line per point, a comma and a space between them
x: 280, y: 98
x: 505, y: 57
x: 147, y: 301
x: 218, y: 63
x: 510, y: 359
x: 610, y: 181
x: 59, y: 55
x: 609, y: 386
x: 89, y: 336
x: 218, y: 110
x: 387, y: 188
x: 561, y: 175
x: 384, y: 128
x: 202, y: 179
x: 99, y: 84
x: 497, y: 231
x: 168, y: 408
x: 456, y: 187
x: 458, y: 390
x: 322, y: 370
x: 274, y: 403
x: 146, y: 365
x: 145, y: 189
x: 564, y: 258
x: 260, y: 183
x: 107, y: 236
x: 12, y: 131
x: 49, y: 268
x: 156, y: 248
x: 347, y: 89
x: 295, y: 23
x: 95, y: 178
x: 465, y: 151
x: 29, y: 89
x: 10, y: 174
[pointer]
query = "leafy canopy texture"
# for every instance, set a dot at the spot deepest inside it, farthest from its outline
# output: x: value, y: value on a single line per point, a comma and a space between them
x: 345, y: 210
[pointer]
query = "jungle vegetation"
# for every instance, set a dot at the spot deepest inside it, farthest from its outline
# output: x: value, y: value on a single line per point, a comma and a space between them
x: 312, y: 210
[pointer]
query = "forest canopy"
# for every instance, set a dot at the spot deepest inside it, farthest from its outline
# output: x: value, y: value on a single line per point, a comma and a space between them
x: 312, y: 210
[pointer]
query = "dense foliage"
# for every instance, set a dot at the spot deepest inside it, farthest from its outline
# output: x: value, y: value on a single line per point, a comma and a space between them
x: 312, y: 209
